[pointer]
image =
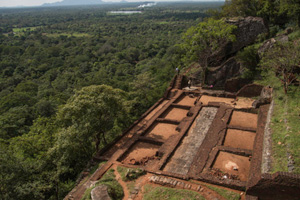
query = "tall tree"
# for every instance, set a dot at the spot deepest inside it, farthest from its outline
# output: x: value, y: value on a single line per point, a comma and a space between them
x: 269, y: 10
x: 202, y: 40
x: 96, y: 111
x: 283, y: 59
x: 90, y: 119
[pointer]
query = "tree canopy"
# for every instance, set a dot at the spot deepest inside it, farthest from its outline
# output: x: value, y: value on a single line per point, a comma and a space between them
x: 204, y: 39
x: 283, y: 59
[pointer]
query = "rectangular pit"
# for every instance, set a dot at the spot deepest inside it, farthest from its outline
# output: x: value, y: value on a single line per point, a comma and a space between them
x: 186, y: 100
x: 233, y: 164
x: 161, y: 131
x: 183, y: 157
x: 243, y: 119
x: 173, y: 113
x: 205, y: 99
x: 239, y: 102
x: 239, y: 139
x: 139, y: 153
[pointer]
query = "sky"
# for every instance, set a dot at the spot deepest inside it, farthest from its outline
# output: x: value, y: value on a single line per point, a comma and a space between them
x: 12, y: 3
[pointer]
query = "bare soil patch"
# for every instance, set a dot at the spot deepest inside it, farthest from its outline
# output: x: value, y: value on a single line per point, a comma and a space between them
x: 206, y: 99
x: 242, y: 102
x: 161, y: 131
x: 239, y: 139
x: 233, y: 164
x: 121, y: 182
x: 243, y: 119
x: 140, y: 152
x: 239, y: 102
x: 175, y: 114
x: 186, y: 100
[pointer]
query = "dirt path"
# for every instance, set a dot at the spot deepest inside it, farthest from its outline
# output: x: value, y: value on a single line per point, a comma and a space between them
x: 140, y: 182
x: 121, y: 182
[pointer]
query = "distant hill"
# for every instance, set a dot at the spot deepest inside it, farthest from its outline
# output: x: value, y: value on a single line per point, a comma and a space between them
x: 74, y: 3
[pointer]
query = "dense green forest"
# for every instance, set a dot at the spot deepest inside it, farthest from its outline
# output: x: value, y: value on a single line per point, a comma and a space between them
x: 55, y: 63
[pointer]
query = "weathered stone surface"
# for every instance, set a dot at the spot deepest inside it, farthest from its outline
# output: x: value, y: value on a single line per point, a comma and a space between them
x: 217, y: 76
x: 182, y: 159
x: 264, y: 98
x: 235, y: 84
x: 248, y: 30
x: 222, y: 65
x: 251, y: 90
x: 246, y: 33
x: 100, y: 193
x: 269, y: 44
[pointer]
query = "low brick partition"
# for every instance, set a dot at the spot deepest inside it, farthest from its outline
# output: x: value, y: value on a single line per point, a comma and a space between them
x: 250, y: 90
x: 279, y: 186
x: 255, y: 166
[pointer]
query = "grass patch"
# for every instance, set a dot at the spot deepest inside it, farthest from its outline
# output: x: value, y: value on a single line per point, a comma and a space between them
x: 164, y: 22
x: 227, y: 194
x: 285, y: 136
x: 18, y: 30
x: 115, y: 190
x: 21, y: 31
x: 131, y: 186
x: 128, y: 174
x: 151, y: 193
x: 55, y: 35
x: 294, y: 35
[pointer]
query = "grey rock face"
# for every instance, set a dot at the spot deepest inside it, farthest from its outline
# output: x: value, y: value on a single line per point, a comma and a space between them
x: 246, y: 33
x: 248, y: 30
x: 269, y: 44
x: 223, y: 65
x: 218, y: 75
x: 100, y: 193
x: 264, y: 98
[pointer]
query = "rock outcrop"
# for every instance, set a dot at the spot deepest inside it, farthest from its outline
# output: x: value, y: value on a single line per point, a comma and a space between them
x: 264, y: 98
x: 217, y: 76
x: 246, y: 33
x: 235, y: 84
x: 222, y: 64
x: 250, y: 90
x: 100, y: 193
x: 269, y: 44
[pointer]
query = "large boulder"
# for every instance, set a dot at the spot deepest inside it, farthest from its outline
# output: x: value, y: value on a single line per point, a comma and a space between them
x: 235, y: 84
x: 217, y: 76
x: 264, y: 98
x: 269, y: 44
x: 248, y: 30
x: 246, y: 33
x: 100, y: 193
x: 222, y: 64
x: 250, y: 90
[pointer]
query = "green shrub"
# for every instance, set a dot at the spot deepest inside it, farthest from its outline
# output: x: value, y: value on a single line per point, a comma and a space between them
x: 128, y: 174
x: 115, y: 190
x: 249, y: 59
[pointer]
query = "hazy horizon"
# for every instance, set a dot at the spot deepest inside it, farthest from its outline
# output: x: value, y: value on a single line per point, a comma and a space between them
x: 18, y: 3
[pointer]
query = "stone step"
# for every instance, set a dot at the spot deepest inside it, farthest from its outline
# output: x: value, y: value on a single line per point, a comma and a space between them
x: 161, y: 180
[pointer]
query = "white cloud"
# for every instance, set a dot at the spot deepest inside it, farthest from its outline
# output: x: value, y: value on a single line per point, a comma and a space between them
x: 9, y: 3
